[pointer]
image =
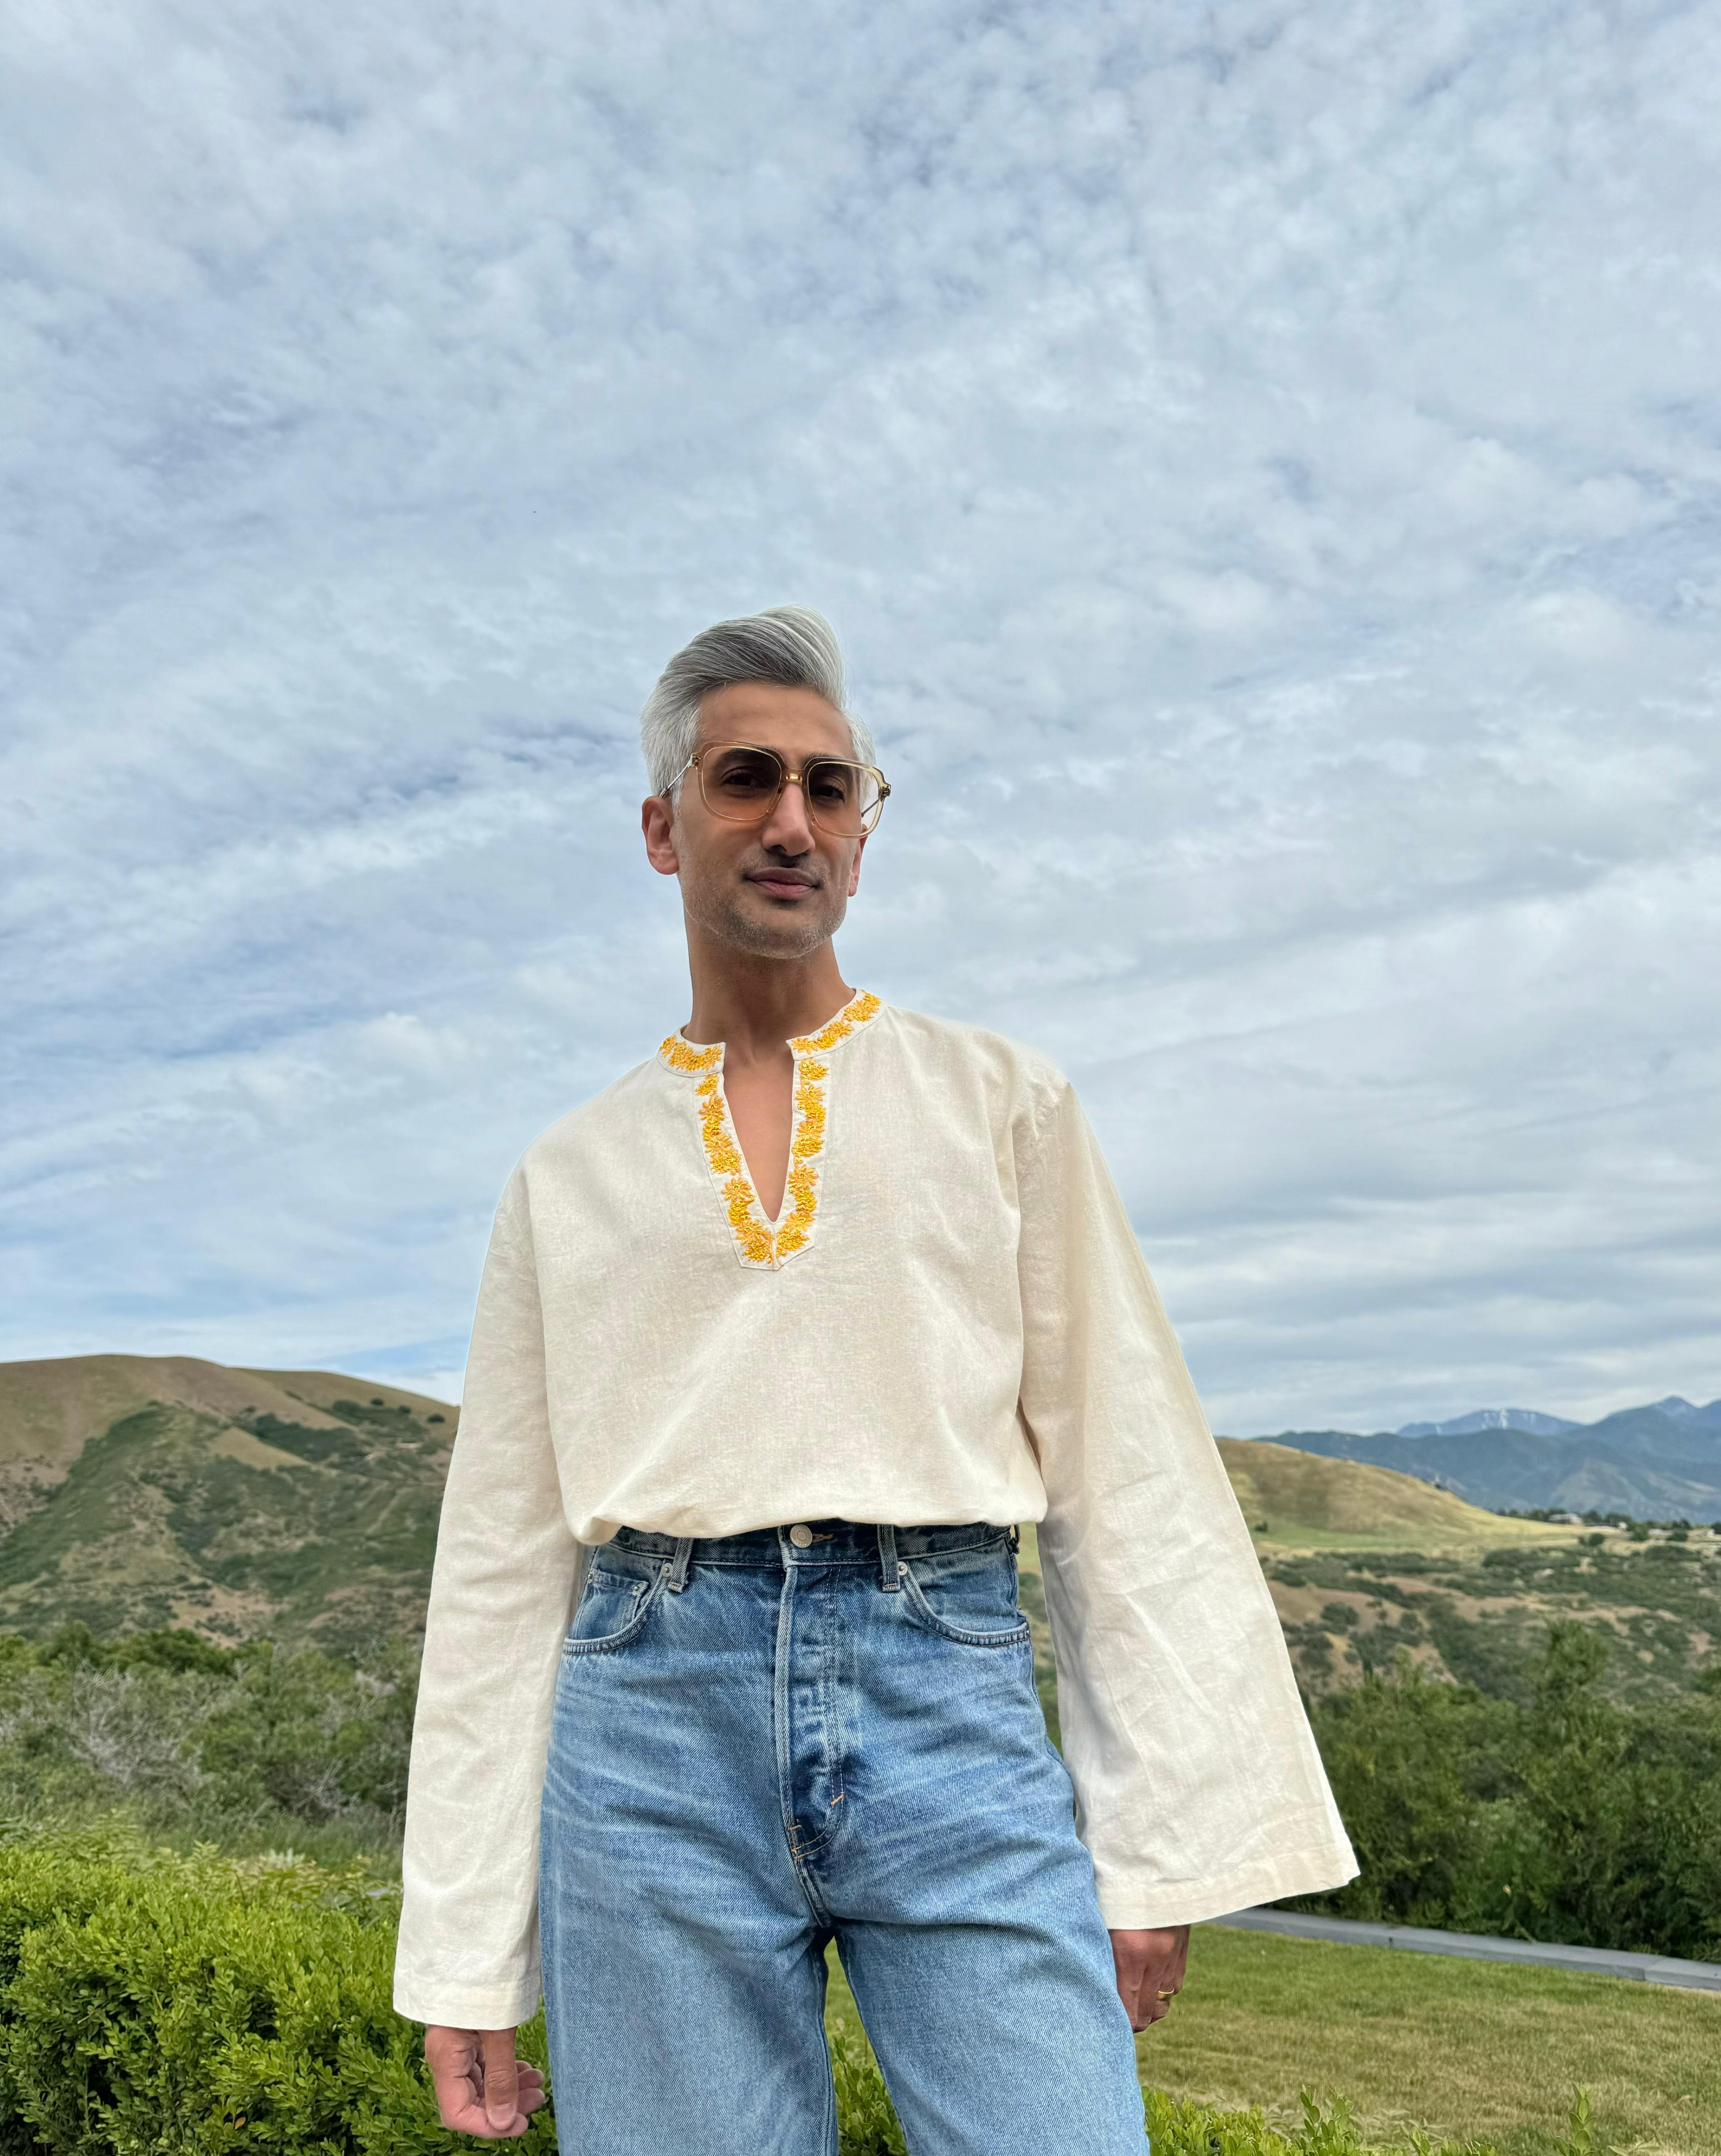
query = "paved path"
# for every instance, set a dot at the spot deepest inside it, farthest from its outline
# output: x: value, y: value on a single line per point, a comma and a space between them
x: 1473, y: 1945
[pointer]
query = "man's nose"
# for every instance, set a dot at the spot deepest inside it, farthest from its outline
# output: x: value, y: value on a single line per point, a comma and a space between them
x: 787, y: 828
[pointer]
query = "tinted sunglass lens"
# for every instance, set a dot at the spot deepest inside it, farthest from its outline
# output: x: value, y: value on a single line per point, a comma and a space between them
x: 741, y: 782
x: 842, y: 796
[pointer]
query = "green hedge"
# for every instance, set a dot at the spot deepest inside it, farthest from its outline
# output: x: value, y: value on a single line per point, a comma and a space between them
x: 203, y: 2004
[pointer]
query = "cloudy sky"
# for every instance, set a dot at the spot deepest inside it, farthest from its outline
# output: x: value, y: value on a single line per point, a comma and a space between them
x: 1264, y: 461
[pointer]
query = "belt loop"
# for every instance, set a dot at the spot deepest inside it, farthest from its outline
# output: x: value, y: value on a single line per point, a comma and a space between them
x: 890, y: 1564
x: 1015, y: 1540
x: 678, y: 1570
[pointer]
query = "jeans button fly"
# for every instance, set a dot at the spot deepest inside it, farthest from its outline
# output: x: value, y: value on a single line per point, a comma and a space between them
x: 801, y: 1536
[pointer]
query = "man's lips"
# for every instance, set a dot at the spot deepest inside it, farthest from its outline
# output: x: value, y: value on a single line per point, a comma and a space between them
x: 781, y: 883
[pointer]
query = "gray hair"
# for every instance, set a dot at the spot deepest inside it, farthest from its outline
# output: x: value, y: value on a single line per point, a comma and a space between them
x: 790, y: 645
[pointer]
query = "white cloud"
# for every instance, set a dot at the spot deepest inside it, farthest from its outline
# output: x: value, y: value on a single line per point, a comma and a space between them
x: 1264, y: 463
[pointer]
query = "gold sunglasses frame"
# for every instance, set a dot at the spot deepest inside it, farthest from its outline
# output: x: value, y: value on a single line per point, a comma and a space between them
x: 695, y: 762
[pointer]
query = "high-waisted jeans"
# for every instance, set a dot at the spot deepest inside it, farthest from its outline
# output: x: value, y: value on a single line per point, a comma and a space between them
x: 759, y: 1747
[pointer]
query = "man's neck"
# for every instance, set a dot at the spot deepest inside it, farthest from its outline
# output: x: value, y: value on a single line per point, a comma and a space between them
x: 754, y: 1005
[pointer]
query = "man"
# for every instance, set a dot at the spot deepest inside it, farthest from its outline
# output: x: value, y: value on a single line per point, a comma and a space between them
x: 778, y: 1340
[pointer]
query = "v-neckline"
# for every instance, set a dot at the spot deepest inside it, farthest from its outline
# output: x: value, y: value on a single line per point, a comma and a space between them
x: 759, y: 1240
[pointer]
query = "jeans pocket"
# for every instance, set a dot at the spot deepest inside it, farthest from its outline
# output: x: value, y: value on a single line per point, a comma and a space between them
x: 612, y: 1611
x: 975, y: 1607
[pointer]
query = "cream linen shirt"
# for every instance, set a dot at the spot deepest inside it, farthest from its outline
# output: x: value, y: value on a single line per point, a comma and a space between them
x: 950, y: 1321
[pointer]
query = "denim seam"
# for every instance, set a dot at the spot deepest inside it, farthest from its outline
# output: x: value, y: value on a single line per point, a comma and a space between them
x: 838, y: 1752
x: 832, y: 2141
x: 798, y: 1850
x: 572, y: 1650
x: 921, y: 1611
x: 780, y: 1713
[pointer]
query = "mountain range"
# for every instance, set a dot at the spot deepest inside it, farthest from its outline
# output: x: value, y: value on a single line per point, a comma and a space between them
x: 1660, y: 1461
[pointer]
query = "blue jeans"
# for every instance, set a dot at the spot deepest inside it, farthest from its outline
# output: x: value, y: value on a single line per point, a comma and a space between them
x: 759, y: 1747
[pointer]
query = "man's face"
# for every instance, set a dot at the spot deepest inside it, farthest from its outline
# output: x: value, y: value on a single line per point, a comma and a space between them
x: 778, y: 889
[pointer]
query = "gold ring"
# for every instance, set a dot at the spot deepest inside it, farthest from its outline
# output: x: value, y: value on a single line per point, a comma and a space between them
x: 1168, y: 1995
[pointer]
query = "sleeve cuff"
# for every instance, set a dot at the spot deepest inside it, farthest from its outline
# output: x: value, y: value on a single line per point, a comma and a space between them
x: 464, y: 2005
x: 1137, y: 1904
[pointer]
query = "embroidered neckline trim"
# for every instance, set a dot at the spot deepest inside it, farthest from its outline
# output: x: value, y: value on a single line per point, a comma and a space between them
x: 759, y: 1242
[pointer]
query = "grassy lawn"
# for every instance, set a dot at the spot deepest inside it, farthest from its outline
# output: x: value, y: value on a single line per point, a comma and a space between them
x: 1468, y: 2050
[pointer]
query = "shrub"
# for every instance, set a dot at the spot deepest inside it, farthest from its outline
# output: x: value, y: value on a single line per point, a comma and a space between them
x: 1395, y: 1749
x: 866, y: 2119
x: 206, y: 2005
x: 249, y: 1745
x: 1181, y: 2128
x: 1565, y: 1818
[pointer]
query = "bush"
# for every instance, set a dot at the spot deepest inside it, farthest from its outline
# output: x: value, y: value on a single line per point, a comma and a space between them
x: 248, y: 1746
x: 866, y: 2119
x: 206, y: 2005
x: 1566, y: 1817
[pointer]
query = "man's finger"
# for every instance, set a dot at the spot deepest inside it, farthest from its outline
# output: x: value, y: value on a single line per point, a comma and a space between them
x: 1129, y: 1961
x: 452, y: 2055
x: 501, y: 2081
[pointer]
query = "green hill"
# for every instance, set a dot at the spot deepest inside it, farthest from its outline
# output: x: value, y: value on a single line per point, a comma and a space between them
x: 1308, y: 1501
x: 143, y: 1491
x: 1366, y: 1565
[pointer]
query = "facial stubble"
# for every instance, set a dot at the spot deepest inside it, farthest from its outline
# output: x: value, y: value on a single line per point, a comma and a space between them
x: 785, y: 932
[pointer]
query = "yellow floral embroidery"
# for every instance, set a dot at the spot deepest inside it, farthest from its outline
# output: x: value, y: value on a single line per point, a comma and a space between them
x: 757, y: 1241
x: 682, y: 1055
x: 853, y: 1015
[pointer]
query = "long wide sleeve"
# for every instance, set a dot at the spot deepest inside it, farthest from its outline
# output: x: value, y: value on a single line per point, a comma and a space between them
x: 506, y: 1574
x: 1199, y: 1787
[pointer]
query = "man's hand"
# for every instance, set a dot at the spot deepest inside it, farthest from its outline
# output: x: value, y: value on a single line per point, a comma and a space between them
x: 1150, y: 1971
x: 481, y: 2086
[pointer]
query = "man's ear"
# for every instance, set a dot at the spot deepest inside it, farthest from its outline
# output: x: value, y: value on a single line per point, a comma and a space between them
x: 855, y: 871
x: 657, y: 820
